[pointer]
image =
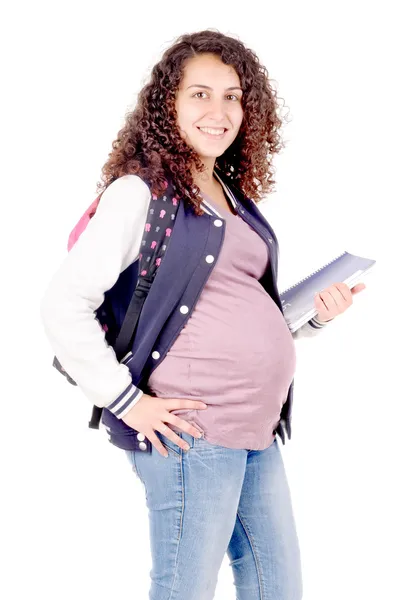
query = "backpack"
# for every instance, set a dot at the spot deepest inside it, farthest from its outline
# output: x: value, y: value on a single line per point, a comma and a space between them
x: 119, y: 332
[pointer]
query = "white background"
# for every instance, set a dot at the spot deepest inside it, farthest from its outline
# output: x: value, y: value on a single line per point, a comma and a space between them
x: 74, y: 517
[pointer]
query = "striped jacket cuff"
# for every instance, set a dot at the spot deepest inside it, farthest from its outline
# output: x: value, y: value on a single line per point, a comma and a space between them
x: 125, y: 401
x: 318, y: 324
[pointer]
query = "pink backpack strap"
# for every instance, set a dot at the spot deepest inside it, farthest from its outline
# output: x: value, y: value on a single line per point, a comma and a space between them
x: 82, y: 223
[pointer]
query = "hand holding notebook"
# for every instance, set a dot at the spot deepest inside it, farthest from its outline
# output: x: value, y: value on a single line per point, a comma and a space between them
x: 300, y: 302
x: 335, y: 300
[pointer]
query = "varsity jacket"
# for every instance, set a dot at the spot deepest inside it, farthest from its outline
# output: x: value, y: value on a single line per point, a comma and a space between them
x: 102, y: 269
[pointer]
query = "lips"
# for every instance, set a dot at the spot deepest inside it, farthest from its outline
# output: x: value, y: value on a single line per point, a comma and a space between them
x: 208, y: 127
x: 212, y: 135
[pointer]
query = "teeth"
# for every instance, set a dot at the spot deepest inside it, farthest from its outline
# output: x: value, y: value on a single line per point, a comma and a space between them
x: 212, y: 131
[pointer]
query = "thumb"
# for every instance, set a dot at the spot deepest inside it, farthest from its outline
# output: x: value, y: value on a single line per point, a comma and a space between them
x: 358, y: 288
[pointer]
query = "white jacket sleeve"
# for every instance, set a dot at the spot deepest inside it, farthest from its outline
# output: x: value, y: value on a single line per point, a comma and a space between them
x: 108, y: 245
x: 310, y: 329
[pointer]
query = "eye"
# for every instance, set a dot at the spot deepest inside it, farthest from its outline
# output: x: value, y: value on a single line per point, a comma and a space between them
x: 197, y: 94
x: 234, y: 96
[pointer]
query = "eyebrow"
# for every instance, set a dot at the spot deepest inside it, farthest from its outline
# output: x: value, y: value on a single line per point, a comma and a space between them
x: 209, y: 88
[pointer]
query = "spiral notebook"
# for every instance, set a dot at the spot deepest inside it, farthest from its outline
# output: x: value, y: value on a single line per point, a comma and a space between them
x: 298, y: 301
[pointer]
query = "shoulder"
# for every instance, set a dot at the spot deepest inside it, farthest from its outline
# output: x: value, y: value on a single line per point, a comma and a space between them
x: 127, y: 194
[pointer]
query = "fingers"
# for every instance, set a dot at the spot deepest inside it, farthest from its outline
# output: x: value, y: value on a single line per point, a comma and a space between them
x: 176, y: 403
x: 173, y: 437
x: 338, y: 296
x: 183, y: 425
x: 156, y: 443
x: 344, y: 291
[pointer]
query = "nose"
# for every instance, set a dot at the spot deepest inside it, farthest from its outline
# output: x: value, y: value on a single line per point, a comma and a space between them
x: 217, y: 110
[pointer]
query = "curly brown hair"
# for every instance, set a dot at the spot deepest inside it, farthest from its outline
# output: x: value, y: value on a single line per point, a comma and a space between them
x: 150, y: 145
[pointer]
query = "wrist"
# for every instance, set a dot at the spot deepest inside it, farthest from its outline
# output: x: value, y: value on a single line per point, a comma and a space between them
x: 321, y: 321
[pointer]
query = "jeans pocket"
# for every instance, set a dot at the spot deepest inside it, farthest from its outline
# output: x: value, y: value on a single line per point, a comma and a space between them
x: 169, y: 444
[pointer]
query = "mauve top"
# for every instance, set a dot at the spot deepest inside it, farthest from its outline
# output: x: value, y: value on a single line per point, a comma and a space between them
x: 236, y: 352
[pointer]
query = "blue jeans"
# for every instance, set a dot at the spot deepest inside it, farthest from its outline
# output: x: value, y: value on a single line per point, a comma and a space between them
x: 210, y: 500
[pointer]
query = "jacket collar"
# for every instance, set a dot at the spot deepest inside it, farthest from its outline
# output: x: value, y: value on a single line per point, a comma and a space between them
x: 209, y: 208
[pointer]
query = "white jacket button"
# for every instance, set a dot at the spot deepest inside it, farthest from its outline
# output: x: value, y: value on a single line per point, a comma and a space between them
x: 184, y: 309
x: 140, y: 437
x: 142, y: 446
x: 209, y: 258
x: 155, y: 355
x: 218, y: 223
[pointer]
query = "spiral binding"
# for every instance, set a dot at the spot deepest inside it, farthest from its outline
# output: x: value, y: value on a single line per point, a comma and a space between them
x: 311, y: 274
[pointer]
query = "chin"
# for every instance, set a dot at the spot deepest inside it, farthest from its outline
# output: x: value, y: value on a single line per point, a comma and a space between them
x: 210, y: 149
x: 209, y: 152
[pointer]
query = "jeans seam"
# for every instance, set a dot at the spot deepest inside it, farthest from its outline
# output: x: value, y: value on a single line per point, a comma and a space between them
x: 257, y: 562
x: 133, y: 462
x: 181, y: 519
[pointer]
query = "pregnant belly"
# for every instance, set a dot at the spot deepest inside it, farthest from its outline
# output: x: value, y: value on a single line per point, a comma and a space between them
x: 223, y: 363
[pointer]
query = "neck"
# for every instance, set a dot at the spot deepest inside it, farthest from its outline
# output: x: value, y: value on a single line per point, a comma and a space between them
x: 206, y: 180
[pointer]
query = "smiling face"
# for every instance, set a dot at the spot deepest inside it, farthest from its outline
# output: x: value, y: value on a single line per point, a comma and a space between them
x: 209, y: 106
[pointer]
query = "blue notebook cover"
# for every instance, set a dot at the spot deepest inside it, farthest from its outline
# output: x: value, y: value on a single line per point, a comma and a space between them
x: 298, y: 301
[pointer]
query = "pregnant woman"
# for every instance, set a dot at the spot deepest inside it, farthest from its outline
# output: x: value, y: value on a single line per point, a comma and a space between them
x: 213, y: 358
